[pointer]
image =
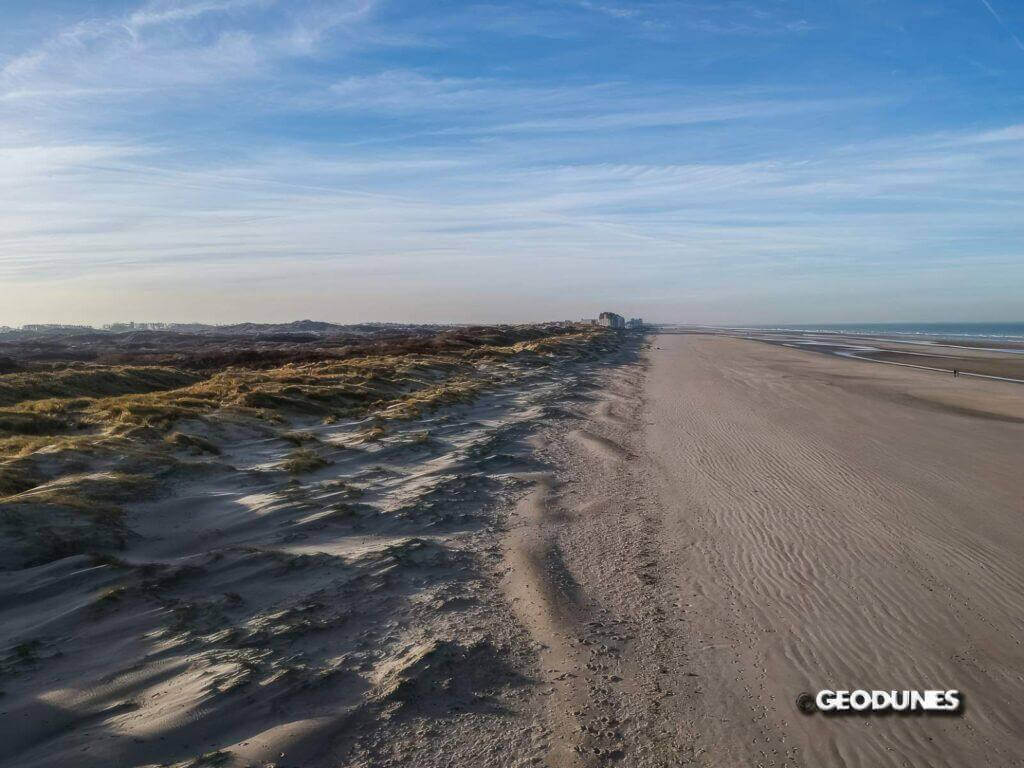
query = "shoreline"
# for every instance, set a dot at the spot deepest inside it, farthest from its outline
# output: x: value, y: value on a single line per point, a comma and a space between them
x: 1000, y: 363
x: 987, y: 342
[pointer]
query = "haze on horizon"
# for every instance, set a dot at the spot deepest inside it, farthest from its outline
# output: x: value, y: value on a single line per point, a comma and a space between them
x: 350, y: 160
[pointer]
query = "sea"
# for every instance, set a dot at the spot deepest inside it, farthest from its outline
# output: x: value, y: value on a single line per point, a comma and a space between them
x: 967, y: 331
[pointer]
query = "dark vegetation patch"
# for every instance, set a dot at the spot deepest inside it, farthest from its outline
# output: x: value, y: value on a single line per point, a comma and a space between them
x: 194, y: 444
x: 303, y: 460
x: 74, y: 514
x: 90, y: 381
x: 246, y: 345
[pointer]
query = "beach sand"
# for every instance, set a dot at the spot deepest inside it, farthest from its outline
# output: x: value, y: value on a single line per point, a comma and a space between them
x: 738, y: 522
x: 840, y: 524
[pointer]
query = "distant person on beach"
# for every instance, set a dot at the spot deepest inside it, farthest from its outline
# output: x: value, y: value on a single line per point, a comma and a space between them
x: 956, y: 373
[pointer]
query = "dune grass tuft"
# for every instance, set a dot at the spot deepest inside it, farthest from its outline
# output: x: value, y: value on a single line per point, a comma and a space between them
x: 194, y: 444
x: 112, y: 595
x: 373, y: 433
x: 299, y: 438
x: 303, y: 460
x: 18, y: 476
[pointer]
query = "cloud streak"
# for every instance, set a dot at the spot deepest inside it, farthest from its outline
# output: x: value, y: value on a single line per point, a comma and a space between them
x: 999, y: 19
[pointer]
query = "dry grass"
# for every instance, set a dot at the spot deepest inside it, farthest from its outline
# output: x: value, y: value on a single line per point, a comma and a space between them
x: 71, y: 515
x: 74, y: 439
x: 303, y: 460
x: 299, y: 438
x: 18, y: 476
x: 420, y: 437
x: 194, y: 444
x: 461, y: 389
x: 31, y: 423
x: 111, y: 595
x: 97, y: 494
x: 90, y: 381
x: 398, y: 386
x: 76, y: 407
x: 373, y: 433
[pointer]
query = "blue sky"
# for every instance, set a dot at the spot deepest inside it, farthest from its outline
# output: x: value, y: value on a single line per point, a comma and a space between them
x: 718, y: 162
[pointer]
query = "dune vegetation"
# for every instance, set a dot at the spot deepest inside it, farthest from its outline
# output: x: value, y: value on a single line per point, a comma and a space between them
x: 79, y: 439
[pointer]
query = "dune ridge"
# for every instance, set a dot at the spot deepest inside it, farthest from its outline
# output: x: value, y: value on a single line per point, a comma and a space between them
x: 290, y: 565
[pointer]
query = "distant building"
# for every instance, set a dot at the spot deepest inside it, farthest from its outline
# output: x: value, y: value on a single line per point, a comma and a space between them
x: 55, y: 327
x: 635, y: 324
x: 131, y: 325
x: 611, y: 320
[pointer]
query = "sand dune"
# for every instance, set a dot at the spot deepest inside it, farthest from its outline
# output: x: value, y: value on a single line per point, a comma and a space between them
x: 299, y: 590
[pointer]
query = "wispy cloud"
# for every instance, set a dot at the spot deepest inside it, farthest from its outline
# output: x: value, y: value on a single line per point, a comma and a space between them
x: 173, y: 45
x: 158, y: 13
x: 1009, y: 133
x: 1003, y: 24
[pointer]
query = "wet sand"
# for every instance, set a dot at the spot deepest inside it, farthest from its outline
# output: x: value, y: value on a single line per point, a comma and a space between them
x: 999, y: 359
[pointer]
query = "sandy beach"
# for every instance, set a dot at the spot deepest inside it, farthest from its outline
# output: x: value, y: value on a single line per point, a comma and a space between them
x: 741, y: 522
x: 636, y: 553
x: 840, y: 524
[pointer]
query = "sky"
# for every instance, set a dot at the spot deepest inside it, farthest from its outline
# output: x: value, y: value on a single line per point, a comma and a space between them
x: 761, y: 161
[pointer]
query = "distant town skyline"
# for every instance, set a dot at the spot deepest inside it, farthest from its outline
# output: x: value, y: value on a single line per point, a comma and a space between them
x: 759, y: 162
